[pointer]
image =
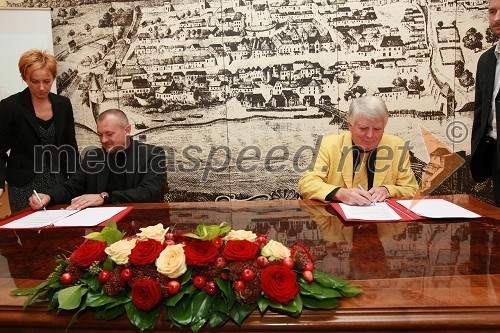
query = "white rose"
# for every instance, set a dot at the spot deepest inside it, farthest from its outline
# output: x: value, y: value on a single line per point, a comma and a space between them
x: 155, y: 232
x: 172, y: 261
x: 241, y: 235
x: 275, y: 250
x: 119, y: 251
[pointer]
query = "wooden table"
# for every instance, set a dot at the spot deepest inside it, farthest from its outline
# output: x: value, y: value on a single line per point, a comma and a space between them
x: 431, y: 275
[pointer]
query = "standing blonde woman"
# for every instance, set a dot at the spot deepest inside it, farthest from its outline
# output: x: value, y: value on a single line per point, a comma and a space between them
x: 38, y: 128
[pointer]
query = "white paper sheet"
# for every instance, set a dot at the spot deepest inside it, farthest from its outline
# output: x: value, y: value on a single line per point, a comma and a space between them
x: 437, y: 208
x: 378, y: 212
x: 39, y: 219
x: 89, y: 217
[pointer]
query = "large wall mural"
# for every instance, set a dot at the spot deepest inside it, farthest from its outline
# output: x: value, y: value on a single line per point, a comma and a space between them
x: 240, y: 92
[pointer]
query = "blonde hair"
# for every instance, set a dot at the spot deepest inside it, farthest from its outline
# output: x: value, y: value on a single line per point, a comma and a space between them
x: 32, y: 60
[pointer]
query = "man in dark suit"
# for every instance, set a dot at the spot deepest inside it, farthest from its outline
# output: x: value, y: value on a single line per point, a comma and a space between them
x: 123, y: 170
x: 485, y: 151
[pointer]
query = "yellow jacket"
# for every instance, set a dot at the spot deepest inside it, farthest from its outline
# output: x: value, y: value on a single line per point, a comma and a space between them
x: 333, y: 168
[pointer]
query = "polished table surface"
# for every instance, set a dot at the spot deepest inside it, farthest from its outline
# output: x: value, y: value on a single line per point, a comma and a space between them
x: 431, y: 275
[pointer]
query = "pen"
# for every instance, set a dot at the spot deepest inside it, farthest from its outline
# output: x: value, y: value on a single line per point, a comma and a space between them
x: 39, y: 199
x: 362, y: 189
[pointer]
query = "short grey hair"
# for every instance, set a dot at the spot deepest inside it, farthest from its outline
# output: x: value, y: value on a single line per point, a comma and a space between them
x: 371, y: 107
x: 119, y: 114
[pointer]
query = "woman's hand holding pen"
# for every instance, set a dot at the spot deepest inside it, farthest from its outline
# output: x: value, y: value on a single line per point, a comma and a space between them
x: 36, y: 204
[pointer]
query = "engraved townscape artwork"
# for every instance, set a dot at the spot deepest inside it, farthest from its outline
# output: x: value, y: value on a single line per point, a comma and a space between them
x: 239, y: 93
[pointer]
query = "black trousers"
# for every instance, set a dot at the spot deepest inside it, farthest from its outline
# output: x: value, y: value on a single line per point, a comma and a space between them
x: 495, y: 175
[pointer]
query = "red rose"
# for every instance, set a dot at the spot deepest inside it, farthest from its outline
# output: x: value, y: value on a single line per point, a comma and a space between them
x: 199, y: 253
x: 145, y: 252
x: 146, y: 293
x: 279, y: 283
x: 240, y: 250
x: 88, y: 252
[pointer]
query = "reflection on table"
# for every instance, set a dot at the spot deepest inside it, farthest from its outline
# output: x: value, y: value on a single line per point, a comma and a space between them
x: 441, y: 273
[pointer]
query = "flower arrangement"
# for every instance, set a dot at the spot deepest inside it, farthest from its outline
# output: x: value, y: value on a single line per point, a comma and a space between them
x: 214, y: 275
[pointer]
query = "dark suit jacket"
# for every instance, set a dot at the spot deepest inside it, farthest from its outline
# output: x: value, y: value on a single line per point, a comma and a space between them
x: 146, y: 176
x: 481, y: 150
x: 19, y: 133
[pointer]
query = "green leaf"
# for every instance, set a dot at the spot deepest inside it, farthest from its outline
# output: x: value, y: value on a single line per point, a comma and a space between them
x: 96, y: 299
x: 75, y: 316
x: 350, y: 291
x: 172, y: 300
x: 217, y: 319
x: 109, y: 314
x: 240, y: 311
x: 108, y: 264
x: 71, y: 297
x: 120, y: 299
x: 186, y: 277
x: 111, y: 236
x: 327, y: 280
x: 201, y: 229
x: 318, y: 291
x: 95, y: 236
x: 200, y: 306
x: 53, y: 302
x: 197, y: 324
x: 224, y: 229
x: 191, y: 235
x: 213, y: 233
x: 263, y: 304
x: 142, y: 319
x: 293, y: 308
x: 219, y: 304
x: 325, y: 304
x: 29, y: 291
x: 91, y: 281
x: 180, y: 314
x: 224, y: 286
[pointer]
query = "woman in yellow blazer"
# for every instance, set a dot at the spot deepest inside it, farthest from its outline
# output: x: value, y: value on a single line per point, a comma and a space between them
x: 362, y: 165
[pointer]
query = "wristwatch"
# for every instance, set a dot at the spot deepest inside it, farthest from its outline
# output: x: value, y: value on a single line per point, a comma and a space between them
x: 105, y: 196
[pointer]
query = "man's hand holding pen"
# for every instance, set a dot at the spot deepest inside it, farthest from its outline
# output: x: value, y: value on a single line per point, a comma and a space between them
x: 360, y: 197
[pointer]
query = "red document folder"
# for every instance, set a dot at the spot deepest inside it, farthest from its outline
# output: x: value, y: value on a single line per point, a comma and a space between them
x: 115, y: 218
x: 405, y: 214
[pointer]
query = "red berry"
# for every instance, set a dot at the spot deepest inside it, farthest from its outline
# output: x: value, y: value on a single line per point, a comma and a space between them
x: 104, y: 276
x: 127, y: 274
x: 67, y: 278
x: 308, y: 275
x: 262, y: 261
x: 199, y: 281
x: 247, y: 274
x: 239, y: 285
x: 169, y: 242
x: 220, y: 262
x: 309, y: 266
x: 218, y: 242
x: 211, y: 288
x: 262, y: 239
x: 173, y: 287
x: 169, y: 236
x: 288, y: 262
x: 224, y: 276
